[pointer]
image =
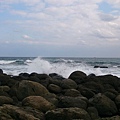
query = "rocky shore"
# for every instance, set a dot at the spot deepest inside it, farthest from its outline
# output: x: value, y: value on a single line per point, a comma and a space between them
x: 51, y: 97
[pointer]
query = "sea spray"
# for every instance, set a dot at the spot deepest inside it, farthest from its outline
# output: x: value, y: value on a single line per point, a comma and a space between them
x: 62, y: 66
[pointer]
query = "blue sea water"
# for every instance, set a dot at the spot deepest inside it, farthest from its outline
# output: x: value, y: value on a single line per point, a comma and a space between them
x: 60, y: 65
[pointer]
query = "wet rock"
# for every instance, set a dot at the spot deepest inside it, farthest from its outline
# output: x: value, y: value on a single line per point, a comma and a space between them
x: 68, y: 84
x: 40, y: 78
x: 52, y: 98
x: 55, y: 81
x: 110, y: 95
x: 5, y: 100
x: 72, y: 93
x: 104, y: 105
x: 67, y: 114
x: 6, y: 80
x: 86, y: 92
x: 24, y: 76
x: 93, y: 86
x: 38, y: 102
x: 54, y: 88
x: 78, y: 76
x: 44, y: 79
x: 56, y: 76
x: 1, y: 71
x: 4, y: 90
x: 100, y: 66
x: 110, y: 118
x: 93, y: 113
x: 16, y: 113
x: 66, y: 102
x: 5, y: 116
x: 27, y: 88
x: 109, y: 79
x: 117, y: 101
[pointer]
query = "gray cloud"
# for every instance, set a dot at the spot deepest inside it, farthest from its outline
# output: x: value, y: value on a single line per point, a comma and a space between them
x: 67, y: 22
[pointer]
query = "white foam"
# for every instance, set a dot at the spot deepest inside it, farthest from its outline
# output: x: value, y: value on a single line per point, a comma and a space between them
x: 64, y: 68
x: 60, y: 66
x: 3, y: 62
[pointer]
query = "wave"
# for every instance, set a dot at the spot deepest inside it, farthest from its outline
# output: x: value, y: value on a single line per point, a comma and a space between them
x: 63, y: 67
x: 3, y: 62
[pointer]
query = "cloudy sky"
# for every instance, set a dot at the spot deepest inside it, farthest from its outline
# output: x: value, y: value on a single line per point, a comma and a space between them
x: 76, y: 28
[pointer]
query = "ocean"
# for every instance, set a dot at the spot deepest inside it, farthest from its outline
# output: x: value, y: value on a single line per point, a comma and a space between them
x: 62, y: 66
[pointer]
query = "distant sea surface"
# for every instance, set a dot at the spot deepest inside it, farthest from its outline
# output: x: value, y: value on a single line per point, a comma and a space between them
x: 62, y: 66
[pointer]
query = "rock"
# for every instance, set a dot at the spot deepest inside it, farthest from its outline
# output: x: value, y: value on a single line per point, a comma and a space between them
x: 24, y: 76
x: 110, y: 95
x: 110, y: 118
x: 56, y: 76
x: 117, y: 101
x: 66, y: 102
x: 78, y: 76
x: 1, y: 71
x: 38, y: 102
x: 72, y: 93
x: 68, y: 84
x: 93, y: 113
x: 85, y: 92
x: 100, y: 66
x: 5, y: 100
x: 93, y: 86
x: 54, y: 88
x: 67, y: 114
x: 55, y: 81
x: 4, y: 90
x: 6, y: 80
x: 109, y: 79
x: 52, y: 98
x: 5, y: 116
x: 17, y: 113
x: 27, y: 88
x: 41, y: 78
x: 105, y: 106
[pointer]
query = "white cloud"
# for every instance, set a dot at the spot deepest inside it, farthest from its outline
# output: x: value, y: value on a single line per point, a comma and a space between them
x: 68, y: 22
x: 26, y: 37
x: 115, y: 3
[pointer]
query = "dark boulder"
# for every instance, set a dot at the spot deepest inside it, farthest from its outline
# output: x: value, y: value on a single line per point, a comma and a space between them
x: 4, y: 90
x: 1, y: 71
x: 105, y: 106
x: 78, y: 76
x: 5, y: 100
x: 54, y: 88
x: 94, y: 87
x: 40, y: 78
x: 93, y: 113
x: 96, y: 66
x: 56, y: 76
x: 27, y: 88
x: 86, y: 92
x: 6, y: 80
x: 67, y: 114
x: 68, y: 84
x: 24, y: 76
x: 10, y: 112
x: 109, y: 79
x: 117, y: 101
x: 72, y: 93
x: 110, y: 95
x: 38, y: 102
x: 66, y: 102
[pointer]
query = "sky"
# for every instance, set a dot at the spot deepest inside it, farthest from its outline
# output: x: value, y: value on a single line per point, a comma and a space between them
x: 60, y: 28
